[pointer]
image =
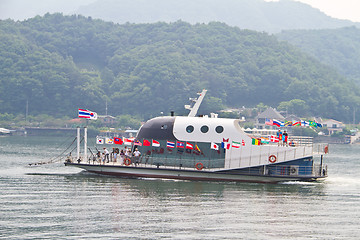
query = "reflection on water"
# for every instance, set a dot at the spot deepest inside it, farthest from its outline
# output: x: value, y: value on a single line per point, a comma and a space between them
x: 58, y: 202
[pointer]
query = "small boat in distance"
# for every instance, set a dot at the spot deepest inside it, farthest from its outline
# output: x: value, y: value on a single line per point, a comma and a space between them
x: 209, y: 149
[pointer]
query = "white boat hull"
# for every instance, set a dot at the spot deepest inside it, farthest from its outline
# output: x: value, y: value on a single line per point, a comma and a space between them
x: 203, y: 175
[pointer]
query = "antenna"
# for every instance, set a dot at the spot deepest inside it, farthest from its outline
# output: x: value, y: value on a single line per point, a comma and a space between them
x: 194, y: 109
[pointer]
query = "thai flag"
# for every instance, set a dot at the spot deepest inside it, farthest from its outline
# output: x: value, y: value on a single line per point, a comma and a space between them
x: 87, y: 114
x: 170, y: 144
x: 278, y: 123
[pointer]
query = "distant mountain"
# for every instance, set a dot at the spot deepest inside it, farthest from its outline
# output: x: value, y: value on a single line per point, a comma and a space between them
x: 247, y: 14
x: 57, y: 63
x: 339, y: 48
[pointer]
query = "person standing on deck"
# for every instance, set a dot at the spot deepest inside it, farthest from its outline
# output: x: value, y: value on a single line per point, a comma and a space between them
x: 106, y: 155
x: 285, y: 138
x: 122, y: 156
x: 279, y: 136
x: 136, y: 156
x: 116, y: 151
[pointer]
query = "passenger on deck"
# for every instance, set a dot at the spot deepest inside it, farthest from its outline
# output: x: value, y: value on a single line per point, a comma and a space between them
x: 136, y: 155
x: 122, y: 156
x: 279, y: 136
x: 106, y: 155
x: 285, y: 138
x: 98, y: 156
x: 116, y: 151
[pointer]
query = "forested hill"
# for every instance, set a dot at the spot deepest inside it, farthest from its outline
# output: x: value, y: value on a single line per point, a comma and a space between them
x: 59, y: 63
x: 339, y: 48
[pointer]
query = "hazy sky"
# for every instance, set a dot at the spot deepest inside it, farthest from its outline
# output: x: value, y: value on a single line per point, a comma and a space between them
x: 20, y: 9
x: 342, y: 9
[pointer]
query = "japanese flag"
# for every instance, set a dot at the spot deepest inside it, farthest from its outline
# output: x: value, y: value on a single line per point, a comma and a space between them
x: 214, y: 146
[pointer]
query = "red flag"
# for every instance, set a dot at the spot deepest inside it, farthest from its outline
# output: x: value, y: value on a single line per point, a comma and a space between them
x: 243, y: 142
x: 155, y: 143
x: 118, y: 140
x: 146, y: 142
x: 189, y: 146
x: 274, y: 139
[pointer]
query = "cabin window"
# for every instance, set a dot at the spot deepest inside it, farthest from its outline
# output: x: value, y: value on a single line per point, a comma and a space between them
x: 204, y: 129
x: 164, y: 126
x: 219, y: 129
x: 189, y: 129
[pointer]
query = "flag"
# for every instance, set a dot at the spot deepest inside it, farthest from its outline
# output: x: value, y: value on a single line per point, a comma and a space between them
x: 304, y: 123
x: 225, y: 145
x: 288, y: 123
x: 109, y: 140
x: 236, y: 144
x: 269, y: 122
x: 278, y: 123
x: 99, y: 140
x: 180, y: 144
x: 146, y: 142
x: 137, y: 143
x: 197, y: 148
x: 256, y: 141
x: 319, y: 124
x: 189, y: 146
x: 264, y: 140
x: 128, y: 141
x: 87, y: 114
x: 170, y: 144
x: 118, y: 140
x: 297, y: 123
x: 225, y: 140
x: 214, y: 146
x: 313, y: 124
x: 243, y: 142
x: 274, y: 139
x: 155, y: 143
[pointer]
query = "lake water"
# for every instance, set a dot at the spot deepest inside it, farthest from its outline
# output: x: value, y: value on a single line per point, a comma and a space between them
x: 56, y: 202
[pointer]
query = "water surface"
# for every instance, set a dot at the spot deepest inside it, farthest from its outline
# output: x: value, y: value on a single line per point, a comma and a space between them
x: 52, y: 201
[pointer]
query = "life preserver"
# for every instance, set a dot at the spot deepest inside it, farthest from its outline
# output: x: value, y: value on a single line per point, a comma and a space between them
x: 199, y: 166
x: 127, y: 161
x: 272, y: 158
x: 326, y: 149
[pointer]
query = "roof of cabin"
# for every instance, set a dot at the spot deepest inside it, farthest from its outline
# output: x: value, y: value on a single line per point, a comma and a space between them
x: 271, y: 113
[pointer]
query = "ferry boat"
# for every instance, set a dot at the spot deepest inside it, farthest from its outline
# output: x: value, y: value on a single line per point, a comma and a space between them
x: 210, y: 149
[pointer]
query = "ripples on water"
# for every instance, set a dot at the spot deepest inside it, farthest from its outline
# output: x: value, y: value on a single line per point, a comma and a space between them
x: 57, y: 202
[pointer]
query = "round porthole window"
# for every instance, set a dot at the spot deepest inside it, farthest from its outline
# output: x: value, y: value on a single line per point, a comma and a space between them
x: 204, y: 129
x: 189, y: 129
x: 219, y: 129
